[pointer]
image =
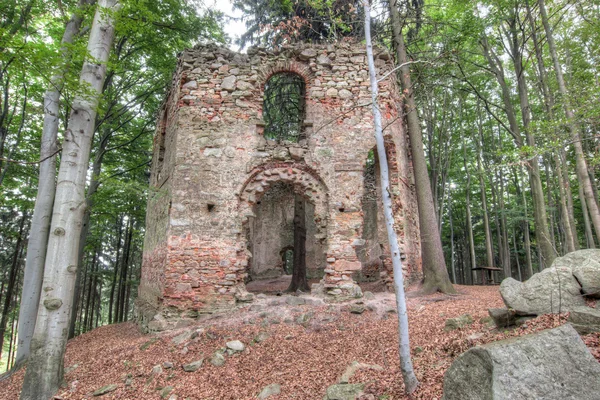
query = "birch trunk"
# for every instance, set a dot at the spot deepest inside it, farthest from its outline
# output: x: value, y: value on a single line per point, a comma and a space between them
x: 408, y: 374
x: 45, y: 368
x: 42, y: 212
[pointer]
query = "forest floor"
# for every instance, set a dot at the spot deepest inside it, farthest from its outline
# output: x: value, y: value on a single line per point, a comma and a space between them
x: 305, y: 348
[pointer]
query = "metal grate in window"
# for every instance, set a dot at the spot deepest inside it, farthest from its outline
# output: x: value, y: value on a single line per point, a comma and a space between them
x: 284, y: 107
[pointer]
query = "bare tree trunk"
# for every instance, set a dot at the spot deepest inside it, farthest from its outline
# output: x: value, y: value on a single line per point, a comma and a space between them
x: 124, y: 270
x: 452, y: 260
x: 299, y: 281
x: 42, y: 212
x: 489, y: 248
x: 435, y: 273
x: 505, y: 249
x: 546, y: 250
x: 525, y: 228
x: 563, y: 177
x: 589, y: 235
x: 408, y: 374
x: 12, y: 279
x: 469, y: 218
x: 45, y: 368
x: 90, y: 292
x: 115, y: 271
x: 582, y: 169
x: 89, y: 200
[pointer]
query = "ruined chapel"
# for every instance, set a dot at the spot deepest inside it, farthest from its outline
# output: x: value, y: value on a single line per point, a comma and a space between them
x: 264, y: 162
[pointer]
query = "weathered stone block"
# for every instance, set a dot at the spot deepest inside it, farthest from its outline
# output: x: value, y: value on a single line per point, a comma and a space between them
x: 553, y: 364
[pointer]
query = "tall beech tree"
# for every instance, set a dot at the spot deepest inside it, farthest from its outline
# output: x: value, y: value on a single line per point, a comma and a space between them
x: 42, y: 213
x: 45, y: 368
x: 435, y: 273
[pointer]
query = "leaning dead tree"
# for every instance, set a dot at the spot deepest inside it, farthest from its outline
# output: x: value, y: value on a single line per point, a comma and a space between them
x: 408, y: 374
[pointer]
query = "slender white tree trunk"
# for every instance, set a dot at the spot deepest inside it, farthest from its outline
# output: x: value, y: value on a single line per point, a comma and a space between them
x: 42, y: 212
x: 45, y: 367
x: 410, y: 380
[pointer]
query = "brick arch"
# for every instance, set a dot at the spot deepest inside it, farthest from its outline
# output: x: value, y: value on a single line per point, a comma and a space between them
x: 285, y: 66
x: 304, y: 180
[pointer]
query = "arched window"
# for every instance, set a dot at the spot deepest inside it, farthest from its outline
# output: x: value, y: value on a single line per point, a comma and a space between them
x: 284, y: 107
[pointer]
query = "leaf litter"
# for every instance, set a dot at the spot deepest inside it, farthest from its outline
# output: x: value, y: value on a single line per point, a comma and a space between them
x: 302, y: 348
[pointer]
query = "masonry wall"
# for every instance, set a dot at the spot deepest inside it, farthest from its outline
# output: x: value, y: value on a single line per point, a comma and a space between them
x: 218, y: 165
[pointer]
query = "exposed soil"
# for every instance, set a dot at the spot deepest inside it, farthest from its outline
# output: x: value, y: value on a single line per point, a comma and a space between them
x: 307, y: 349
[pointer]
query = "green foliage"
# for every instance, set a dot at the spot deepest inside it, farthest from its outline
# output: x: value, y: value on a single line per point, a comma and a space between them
x: 275, y: 22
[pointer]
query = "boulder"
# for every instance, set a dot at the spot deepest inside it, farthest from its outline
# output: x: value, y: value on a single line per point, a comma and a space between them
x: 295, y: 301
x: 235, y: 345
x: 585, y: 320
x: 344, y: 391
x: 554, y: 290
x: 193, y: 366
x: 356, y: 366
x: 553, y: 364
x: 458, y: 322
x: 503, y: 317
x: 218, y: 360
x: 585, y: 265
x: 269, y: 390
x: 357, y: 309
x: 105, y: 389
x: 261, y: 337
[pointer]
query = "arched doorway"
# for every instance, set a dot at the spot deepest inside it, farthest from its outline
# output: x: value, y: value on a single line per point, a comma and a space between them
x: 285, y: 208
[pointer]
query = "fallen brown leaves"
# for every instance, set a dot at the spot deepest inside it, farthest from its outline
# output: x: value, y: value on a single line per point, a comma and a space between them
x: 303, y: 359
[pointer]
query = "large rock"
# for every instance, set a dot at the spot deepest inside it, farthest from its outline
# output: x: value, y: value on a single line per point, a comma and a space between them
x: 575, y: 258
x: 553, y: 290
x: 235, y: 345
x: 503, y: 317
x: 270, y: 390
x: 458, y: 322
x: 344, y: 391
x: 553, y: 364
x: 585, y: 265
x: 585, y: 320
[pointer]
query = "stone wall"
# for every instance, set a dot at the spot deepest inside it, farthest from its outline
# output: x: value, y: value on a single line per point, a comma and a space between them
x: 216, y: 165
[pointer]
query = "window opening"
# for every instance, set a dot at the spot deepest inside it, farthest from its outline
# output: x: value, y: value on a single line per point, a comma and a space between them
x: 284, y: 107
x: 288, y: 261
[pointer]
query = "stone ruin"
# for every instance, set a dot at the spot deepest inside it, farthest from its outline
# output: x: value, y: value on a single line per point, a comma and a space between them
x: 231, y: 170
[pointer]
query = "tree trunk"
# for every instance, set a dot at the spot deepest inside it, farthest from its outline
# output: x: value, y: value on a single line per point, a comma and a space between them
x: 525, y: 226
x: 563, y: 178
x: 125, y: 269
x: 89, y: 203
x: 582, y: 169
x: 452, y: 260
x: 542, y: 232
x: 489, y: 247
x: 42, y: 212
x: 90, y: 292
x: 113, y: 284
x: 408, y: 374
x: 472, y: 257
x: 299, y: 281
x: 45, y: 368
x: 435, y: 273
x: 519, y: 272
x: 12, y: 279
x: 589, y: 235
